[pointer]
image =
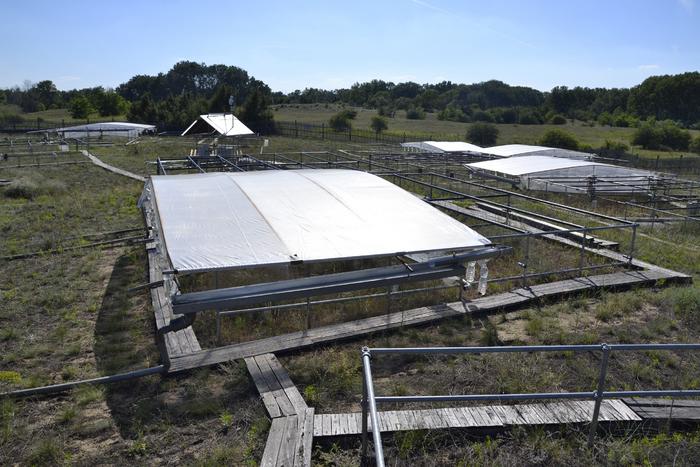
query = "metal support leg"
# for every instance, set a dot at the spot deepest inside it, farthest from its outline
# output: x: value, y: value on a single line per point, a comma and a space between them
x: 583, y: 253
x: 308, y: 314
x: 599, y: 393
x: 363, y: 452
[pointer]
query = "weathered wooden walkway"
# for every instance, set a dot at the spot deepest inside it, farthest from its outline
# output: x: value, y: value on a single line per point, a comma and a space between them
x: 413, y: 317
x: 172, y: 343
x: 491, y: 416
x: 290, y: 438
x: 111, y: 168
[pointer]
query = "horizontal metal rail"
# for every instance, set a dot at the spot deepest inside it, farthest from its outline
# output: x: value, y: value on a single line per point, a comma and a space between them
x: 370, y: 400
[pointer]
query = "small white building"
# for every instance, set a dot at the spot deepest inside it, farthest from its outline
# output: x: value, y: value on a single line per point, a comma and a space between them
x: 223, y: 124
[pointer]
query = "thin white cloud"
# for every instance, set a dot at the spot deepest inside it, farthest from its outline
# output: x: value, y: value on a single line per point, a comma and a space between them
x: 431, y: 6
x: 687, y: 4
x: 648, y: 67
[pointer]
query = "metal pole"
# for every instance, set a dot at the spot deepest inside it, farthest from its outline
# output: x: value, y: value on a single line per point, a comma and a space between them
x: 634, y: 237
x: 599, y: 393
x: 526, y: 260
x: 218, y: 327
x: 376, y: 434
x: 308, y: 313
x: 583, y: 252
x: 363, y: 451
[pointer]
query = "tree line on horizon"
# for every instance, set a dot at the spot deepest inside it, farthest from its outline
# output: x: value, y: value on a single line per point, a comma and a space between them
x: 174, y: 99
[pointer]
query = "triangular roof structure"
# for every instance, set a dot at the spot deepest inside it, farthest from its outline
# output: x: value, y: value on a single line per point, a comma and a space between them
x: 223, y: 124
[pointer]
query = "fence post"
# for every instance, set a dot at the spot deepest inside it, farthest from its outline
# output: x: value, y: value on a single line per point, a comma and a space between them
x: 599, y: 393
x: 583, y: 253
x: 526, y: 260
x: 308, y: 313
x: 323, y: 131
x: 634, y: 238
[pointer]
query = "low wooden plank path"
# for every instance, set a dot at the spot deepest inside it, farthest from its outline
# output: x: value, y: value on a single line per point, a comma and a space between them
x: 173, y: 343
x: 683, y: 410
x: 290, y: 439
x: 475, y: 417
x: 413, y: 317
x: 279, y: 394
x: 111, y: 168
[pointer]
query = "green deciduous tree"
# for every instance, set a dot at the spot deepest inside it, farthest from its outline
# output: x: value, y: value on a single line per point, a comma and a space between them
x: 80, y: 107
x: 483, y: 134
x: 340, y: 122
x: 379, y: 124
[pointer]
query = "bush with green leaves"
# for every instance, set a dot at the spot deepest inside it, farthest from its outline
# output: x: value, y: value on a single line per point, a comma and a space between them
x: 482, y: 134
x: 340, y: 121
x: 80, y: 107
x: 379, y: 124
x: 453, y: 114
x: 661, y: 135
x: 415, y: 113
x: 558, y: 120
x: 559, y: 139
x: 695, y: 145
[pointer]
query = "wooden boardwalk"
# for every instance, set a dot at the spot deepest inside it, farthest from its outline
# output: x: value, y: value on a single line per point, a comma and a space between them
x: 113, y: 169
x: 289, y: 442
x: 173, y: 343
x: 492, y: 416
x: 678, y: 410
x: 413, y: 317
x: 280, y: 396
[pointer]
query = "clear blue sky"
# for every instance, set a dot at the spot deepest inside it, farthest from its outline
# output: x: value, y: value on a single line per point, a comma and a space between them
x: 330, y: 44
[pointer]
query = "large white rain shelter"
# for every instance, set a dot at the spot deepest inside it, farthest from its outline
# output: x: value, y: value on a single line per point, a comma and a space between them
x: 225, y: 124
x: 444, y: 146
x: 565, y: 175
x: 513, y: 150
x: 228, y: 220
x: 130, y: 130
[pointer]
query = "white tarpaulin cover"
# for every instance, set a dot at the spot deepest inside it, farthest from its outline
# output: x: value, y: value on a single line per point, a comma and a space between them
x: 125, y: 129
x: 444, y: 146
x: 522, y: 165
x: 228, y: 220
x: 224, y: 124
x: 512, y: 150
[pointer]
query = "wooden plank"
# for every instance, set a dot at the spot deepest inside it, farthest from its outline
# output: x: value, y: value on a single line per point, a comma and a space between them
x: 304, y: 448
x: 327, y: 419
x: 274, y: 440
x: 651, y: 401
x: 623, y: 409
x: 276, y: 390
x: 285, y: 381
x: 318, y: 425
x: 267, y: 397
x: 288, y: 446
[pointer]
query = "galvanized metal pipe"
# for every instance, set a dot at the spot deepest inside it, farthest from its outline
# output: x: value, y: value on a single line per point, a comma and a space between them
x: 376, y: 431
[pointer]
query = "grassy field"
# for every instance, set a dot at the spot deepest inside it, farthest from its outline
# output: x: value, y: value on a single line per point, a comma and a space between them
x: 57, y: 115
x: 432, y: 128
x: 66, y: 316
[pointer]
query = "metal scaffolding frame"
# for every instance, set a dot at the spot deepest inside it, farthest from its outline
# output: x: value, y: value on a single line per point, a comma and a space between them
x: 370, y: 399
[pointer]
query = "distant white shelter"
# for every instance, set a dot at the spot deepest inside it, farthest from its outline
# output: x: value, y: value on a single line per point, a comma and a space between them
x: 125, y: 129
x: 516, y: 150
x: 225, y: 124
x: 547, y: 173
x: 444, y: 146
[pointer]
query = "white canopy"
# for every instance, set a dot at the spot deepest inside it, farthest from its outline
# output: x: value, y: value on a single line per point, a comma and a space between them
x: 511, y: 150
x: 224, y: 124
x: 126, y: 129
x: 523, y: 165
x: 228, y: 220
x: 444, y: 146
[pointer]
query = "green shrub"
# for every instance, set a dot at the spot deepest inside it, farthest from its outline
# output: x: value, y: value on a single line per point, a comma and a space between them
x: 558, y: 120
x: 695, y: 145
x: 415, y: 113
x: 559, y: 139
x: 483, y: 134
x: 340, y: 122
